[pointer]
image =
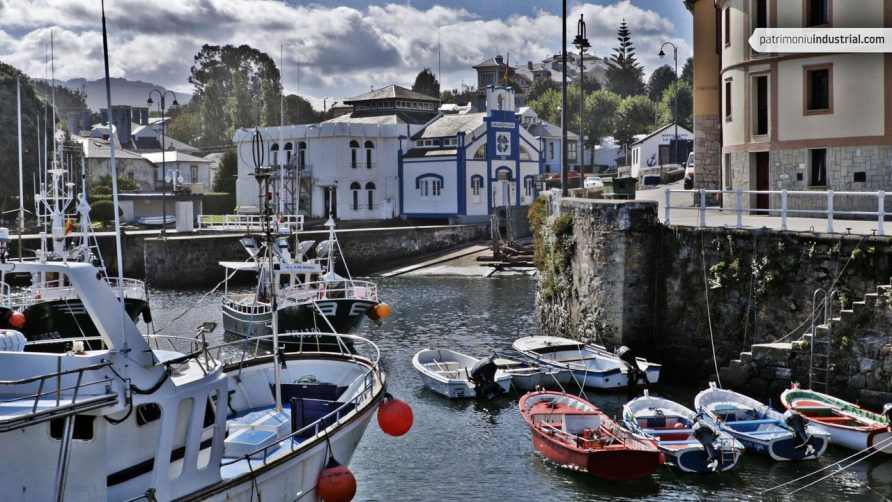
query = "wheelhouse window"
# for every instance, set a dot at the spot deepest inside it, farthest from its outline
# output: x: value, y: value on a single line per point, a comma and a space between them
x: 818, y: 167
x: 818, y: 89
x: 817, y: 13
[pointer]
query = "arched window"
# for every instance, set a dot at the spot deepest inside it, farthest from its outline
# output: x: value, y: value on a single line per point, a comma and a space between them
x: 504, y: 173
x: 369, y: 146
x: 370, y: 189
x: 476, y: 185
x: 288, y: 150
x: 354, y: 146
x: 481, y: 152
x: 429, y: 185
x: 525, y: 154
x: 528, y: 186
x: 274, y: 154
x: 355, y: 188
x: 302, y: 155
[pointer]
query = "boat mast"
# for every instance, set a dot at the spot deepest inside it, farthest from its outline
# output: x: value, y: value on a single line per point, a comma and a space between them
x: 281, y: 188
x: 18, y: 91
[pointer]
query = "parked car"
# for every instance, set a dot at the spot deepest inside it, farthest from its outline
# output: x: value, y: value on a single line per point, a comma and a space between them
x: 593, y: 182
x: 689, y: 172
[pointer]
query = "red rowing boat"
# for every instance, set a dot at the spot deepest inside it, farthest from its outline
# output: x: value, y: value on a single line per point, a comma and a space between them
x: 576, y: 434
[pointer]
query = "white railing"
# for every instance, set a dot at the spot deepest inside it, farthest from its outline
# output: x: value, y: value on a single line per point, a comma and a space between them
x: 784, y: 212
x: 133, y: 288
x: 248, y: 222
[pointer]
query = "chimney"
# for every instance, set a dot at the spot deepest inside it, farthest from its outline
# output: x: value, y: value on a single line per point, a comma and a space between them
x: 499, y: 59
x: 529, y: 65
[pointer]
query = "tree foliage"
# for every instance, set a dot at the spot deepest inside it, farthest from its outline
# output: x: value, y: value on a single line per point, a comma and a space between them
x: 685, y: 105
x: 228, y: 172
x: 635, y: 115
x: 660, y: 79
x: 687, y: 73
x: 32, y: 111
x: 625, y: 76
x: 426, y: 83
x: 104, y: 186
x: 539, y: 87
x: 238, y: 86
x: 183, y: 122
x: 299, y: 111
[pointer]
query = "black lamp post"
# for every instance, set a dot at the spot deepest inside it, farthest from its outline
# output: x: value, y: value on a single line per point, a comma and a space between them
x: 161, y: 106
x: 675, y: 110
x: 581, y: 43
x: 564, y: 100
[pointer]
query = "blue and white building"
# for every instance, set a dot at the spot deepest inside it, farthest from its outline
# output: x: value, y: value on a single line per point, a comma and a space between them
x: 461, y: 166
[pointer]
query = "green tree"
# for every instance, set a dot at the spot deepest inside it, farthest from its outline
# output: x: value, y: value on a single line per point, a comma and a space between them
x: 660, y: 79
x: 299, y: 111
x: 687, y: 73
x: 228, y: 172
x: 635, y: 115
x: 547, y: 106
x: 590, y: 83
x: 625, y: 76
x: 214, y: 122
x: 183, y: 122
x: 426, y: 83
x: 540, y: 87
x: 600, y: 111
x: 685, y: 105
x: 240, y: 109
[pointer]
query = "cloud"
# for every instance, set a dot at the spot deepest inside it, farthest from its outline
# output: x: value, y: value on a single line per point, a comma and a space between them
x: 342, y: 50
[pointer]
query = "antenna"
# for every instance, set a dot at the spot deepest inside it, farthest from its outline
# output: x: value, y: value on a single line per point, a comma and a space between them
x: 281, y: 188
x: 439, y: 68
x: 18, y: 91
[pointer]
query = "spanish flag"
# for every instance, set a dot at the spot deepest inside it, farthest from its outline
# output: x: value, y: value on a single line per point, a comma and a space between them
x: 69, y: 226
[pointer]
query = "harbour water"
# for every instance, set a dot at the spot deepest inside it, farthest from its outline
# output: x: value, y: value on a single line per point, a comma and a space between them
x: 473, y: 450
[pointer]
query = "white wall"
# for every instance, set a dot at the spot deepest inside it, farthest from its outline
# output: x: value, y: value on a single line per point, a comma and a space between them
x: 446, y: 203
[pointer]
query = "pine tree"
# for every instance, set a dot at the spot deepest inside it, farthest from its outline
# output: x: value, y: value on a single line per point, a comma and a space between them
x: 426, y: 83
x: 625, y: 76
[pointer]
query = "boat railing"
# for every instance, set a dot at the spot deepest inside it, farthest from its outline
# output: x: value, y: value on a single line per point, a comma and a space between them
x: 318, y: 427
x: 133, y: 288
x: 68, y: 399
x: 248, y: 222
x: 253, y: 308
x: 347, y: 288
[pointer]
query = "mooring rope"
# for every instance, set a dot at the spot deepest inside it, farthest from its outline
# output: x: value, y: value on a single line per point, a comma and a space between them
x: 878, y: 447
x: 708, y: 314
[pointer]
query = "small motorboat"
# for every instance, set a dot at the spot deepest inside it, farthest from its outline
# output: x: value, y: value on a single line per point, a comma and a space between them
x: 574, y: 433
x: 592, y: 365
x: 849, y: 426
x: 527, y: 376
x: 455, y: 375
x: 690, y: 443
x: 761, y: 429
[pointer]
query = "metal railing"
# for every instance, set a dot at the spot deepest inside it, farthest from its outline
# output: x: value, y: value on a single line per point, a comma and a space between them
x: 247, y: 222
x: 784, y: 211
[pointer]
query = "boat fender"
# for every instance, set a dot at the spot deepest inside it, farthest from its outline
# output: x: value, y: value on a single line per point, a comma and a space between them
x: 394, y: 416
x: 147, y: 315
x: 704, y: 435
x: 336, y: 483
x: 797, y: 424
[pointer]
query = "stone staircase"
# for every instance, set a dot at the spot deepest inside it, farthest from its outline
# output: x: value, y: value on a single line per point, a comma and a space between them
x: 772, y: 366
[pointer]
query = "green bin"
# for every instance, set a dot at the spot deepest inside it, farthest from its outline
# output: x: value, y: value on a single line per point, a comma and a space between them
x: 624, y: 188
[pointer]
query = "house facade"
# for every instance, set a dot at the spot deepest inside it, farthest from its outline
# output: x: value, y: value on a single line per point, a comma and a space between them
x: 350, y: 161
x: 461, y: 166
x: 790, y: 121
x: 654, y: 149
x: 195, y: 172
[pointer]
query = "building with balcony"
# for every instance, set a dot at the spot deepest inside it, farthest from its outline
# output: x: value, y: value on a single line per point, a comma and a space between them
x: 804, y: 121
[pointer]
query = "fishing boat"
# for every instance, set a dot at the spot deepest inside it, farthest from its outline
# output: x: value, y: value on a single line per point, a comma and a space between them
x: 197, y: 423
x: 575, y: 434
x: 761, y: 429
x: 849, y: 426
x: 311, y: 296
x: 456, y: 375
x: 690, y: 443
x: 527, y: 376
x: 591, y: 365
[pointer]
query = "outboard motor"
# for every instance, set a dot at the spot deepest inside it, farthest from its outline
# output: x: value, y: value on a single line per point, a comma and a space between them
x: 706, y: 436
x: 626, y: 355
x: 795, y: 422
x: 483, y: 376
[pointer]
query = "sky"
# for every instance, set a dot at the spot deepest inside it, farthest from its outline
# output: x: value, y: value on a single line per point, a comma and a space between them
x: 331, y: 48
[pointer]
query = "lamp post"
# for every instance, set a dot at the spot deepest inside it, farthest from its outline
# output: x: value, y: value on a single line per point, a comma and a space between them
x: 564, y: 100
x: 581, y: 43
x: 675, y: 105
x: 161, y: 106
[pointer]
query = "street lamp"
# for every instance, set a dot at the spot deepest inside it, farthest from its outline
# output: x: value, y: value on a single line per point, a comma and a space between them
x: 675, y: 106
x: 161, y: 106
x: 581, y: 43
x: 564, y: 180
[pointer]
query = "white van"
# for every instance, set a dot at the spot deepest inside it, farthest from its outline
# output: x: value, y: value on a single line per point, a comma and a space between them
x: 689, y: 172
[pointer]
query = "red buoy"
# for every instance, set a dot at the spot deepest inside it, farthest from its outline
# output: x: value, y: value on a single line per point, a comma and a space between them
x: 336, y: 483
x: 16, y: 319
x: 394, y: 416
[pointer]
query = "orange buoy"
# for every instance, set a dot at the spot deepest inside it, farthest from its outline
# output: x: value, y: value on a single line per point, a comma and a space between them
x: 16, y: 319
x: 378, y: 312
x: 336, y: 483
x: 394, y: 416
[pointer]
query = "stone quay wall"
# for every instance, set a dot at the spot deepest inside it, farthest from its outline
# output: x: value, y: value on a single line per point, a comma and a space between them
x: 192, y: 261
x: 609, y: 271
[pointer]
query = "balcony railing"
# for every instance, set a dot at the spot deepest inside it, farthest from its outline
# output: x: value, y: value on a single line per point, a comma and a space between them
x: 247, y: 222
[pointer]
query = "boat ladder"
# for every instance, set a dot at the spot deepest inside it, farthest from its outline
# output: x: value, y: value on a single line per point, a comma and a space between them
x: 821, y: 337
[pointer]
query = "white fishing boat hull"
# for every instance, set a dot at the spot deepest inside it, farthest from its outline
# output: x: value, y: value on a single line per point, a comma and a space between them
x: 856, y: 440
x: 592, y: 366
x: 447, y: 373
